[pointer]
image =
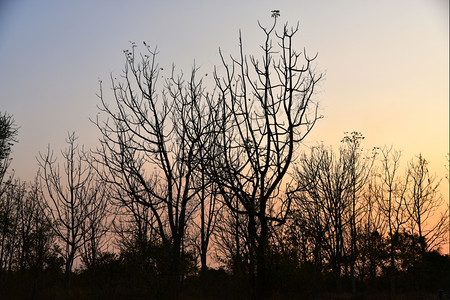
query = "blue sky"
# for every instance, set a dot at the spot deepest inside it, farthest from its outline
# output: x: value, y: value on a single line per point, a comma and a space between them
x: 386, y: 63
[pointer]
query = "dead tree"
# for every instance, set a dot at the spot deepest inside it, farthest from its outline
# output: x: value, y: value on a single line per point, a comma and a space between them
x: 323, y: 190
x: 267, y: 109
x: 70, y: 198
x: 390, y: 191
x: 10, y: 222
x: 359, y: 166
x: 8, y: 136
x: 423, y: 202
x: 151, y: 143
x: 96, y: 225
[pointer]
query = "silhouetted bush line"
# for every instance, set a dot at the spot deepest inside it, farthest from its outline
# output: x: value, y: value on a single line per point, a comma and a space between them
x: 116, y: 280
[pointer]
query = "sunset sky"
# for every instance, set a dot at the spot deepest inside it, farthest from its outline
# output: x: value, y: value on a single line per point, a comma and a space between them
x: 386, y: 64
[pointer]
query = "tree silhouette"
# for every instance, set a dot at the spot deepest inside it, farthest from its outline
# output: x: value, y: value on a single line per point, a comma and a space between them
x: 8, y: 134
x: 423, y: 202
x: 72, y: 198
x: 163, y: 130
x: 267, y: 109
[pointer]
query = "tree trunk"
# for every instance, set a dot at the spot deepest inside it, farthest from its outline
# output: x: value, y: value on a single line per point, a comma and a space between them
x: 263, y: 286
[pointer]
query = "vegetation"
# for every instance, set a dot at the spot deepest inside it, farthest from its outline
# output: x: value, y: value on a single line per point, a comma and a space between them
x: 198, y: 194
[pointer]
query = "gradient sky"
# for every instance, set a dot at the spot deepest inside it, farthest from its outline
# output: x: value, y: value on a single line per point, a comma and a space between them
x: 386, y: 63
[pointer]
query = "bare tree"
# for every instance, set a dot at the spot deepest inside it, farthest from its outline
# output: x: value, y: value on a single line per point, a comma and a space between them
x: 323, y: 194
x: 197, y: 115
x: 35, y: 251
x: 267, y: 109
x: 11, y: 193
x: 372, y: 233
x: 96, y: 225
x: 71, y: 198
x: 422, y: 203
x: 10, y: 222
x: 150, y: 147
x: 390, y: 190
x: 359, y: 165
x: 29, y: 213
x: 8, y: 136
x: 327, y: 202
x: 206, y: 221
x: 231, y: 240
x: 305, y: 234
